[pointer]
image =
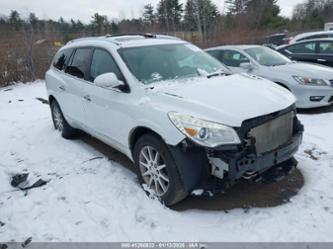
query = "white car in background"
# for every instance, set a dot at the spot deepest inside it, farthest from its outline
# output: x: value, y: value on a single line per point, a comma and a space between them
x: 311, y: 84
x: 183, y: 118
x: 311, y: 36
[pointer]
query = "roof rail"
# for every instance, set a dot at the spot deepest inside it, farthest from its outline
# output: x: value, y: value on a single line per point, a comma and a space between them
x: 146, y: 35
x: 91, y: 38
x: 83, y: 39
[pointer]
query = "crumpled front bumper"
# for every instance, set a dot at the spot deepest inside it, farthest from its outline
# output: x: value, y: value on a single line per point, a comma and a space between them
x: 245, y: 162
x: 258, y: 164
x: 198, y: 164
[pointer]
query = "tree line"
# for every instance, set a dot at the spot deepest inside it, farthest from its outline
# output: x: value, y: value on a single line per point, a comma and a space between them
x: 312, y: 14
x: 201, y: 16
x: 27, y: 44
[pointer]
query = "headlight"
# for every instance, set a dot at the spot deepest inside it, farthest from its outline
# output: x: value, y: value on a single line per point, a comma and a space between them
x: 203, y: 132
x: 310, y: 81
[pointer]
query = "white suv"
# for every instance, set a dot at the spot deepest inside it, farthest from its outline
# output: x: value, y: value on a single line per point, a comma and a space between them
x: 183, y: 118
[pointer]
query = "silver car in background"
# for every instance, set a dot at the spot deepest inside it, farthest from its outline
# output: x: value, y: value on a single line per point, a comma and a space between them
x: 311, y: 35
x: 311, y: 84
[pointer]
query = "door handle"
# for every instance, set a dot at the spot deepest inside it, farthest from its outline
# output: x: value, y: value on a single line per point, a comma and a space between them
x: 321, y: 60
x: 62, y: 87
x: 87, y: 97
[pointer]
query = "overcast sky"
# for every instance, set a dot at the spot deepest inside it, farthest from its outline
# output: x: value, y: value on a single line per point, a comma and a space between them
x: 84, y: 9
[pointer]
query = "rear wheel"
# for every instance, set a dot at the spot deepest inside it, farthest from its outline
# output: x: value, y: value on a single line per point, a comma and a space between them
x: 60, y: 122
x: 157, y: 171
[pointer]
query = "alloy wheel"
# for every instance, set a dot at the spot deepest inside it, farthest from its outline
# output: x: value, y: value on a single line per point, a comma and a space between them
x: 58, y: 120
x: 153, y: 170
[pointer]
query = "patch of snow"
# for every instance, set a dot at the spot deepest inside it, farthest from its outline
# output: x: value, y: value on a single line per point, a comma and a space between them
x: 173, y: 84
x: 38, y: 42
x: 100, y: 200
x: 198, y: 192
x: 156, y: 77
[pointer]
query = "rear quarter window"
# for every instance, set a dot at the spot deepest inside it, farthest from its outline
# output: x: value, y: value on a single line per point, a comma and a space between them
x: 61, y: 59
x: 80, y: 63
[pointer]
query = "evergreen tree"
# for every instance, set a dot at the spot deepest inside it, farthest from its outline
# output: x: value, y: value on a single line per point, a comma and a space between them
x: 256, y: 13
x: 79, y: 25
x: 33, y: 20
x: 149, y: 15
x: 169, y: 14
x: 200, y: 15
x: 114, y: 27
x: 263, y: 12
x: 100, y: 24
x: 313, y: 13
x: 235, y: 7
x: 191, y: 15
x: 269, y: 7
x: 15, y: 19
x: 64, y: 26
x: 76, y: 26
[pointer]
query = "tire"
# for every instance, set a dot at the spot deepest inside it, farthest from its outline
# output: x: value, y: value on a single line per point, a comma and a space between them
x: 60, y: 122
x: 144, y: 153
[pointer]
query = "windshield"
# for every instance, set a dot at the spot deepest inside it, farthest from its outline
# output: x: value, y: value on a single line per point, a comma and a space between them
x: 167, y: 62
x: 267, y: 57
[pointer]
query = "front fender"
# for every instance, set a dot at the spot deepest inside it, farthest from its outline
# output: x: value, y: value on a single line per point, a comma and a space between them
x: 164, y: 128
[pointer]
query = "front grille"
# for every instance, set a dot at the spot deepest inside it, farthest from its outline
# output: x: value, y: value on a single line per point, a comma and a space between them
x: 274, y: 133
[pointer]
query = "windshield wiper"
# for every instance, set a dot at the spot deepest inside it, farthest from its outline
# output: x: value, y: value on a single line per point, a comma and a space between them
x: 217, y: 73
x: 204, y: 73
x: 277, y: 65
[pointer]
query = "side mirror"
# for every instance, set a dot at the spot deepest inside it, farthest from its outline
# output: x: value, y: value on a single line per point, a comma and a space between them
x: 246, y: 66
x: 108, y: 80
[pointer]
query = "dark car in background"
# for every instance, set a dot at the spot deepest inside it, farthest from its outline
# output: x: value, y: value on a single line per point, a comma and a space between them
x: 315, y: 51
x: 275, y: 40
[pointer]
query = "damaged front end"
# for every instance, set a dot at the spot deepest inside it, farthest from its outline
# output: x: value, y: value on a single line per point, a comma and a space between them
x: 268, y: 142
x: 265, y: 154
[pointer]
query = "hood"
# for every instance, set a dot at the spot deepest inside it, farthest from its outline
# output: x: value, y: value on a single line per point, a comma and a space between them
x: 307, y: 70
x: 229, y: 100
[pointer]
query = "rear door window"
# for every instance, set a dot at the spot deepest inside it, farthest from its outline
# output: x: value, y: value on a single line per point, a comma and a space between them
x: 80, y: 63
x: 61, y: 59
x: 326, y: 48
x: 233, y: 58
x: 303, y: 48
x: 102, y: 62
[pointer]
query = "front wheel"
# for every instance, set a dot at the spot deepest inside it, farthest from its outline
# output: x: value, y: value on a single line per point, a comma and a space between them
x: 157, y: 171
x: 60, y: 122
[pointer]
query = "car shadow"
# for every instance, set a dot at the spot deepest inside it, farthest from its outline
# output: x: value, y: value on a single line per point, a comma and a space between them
x: 319, y: 110
x: 242, y: 195
x: 248, y: 195
x: 109, y: 152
